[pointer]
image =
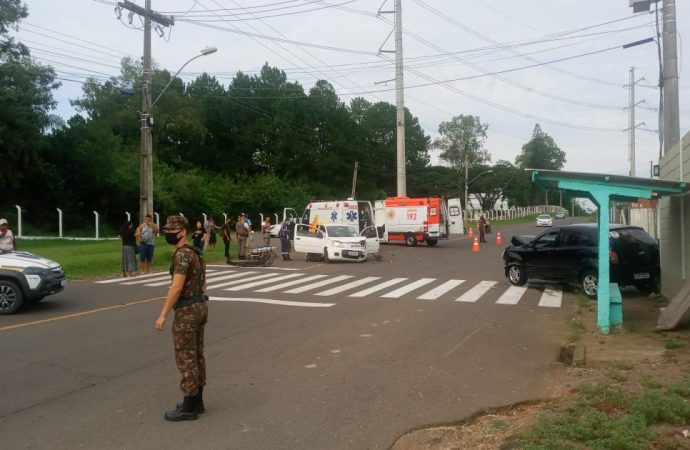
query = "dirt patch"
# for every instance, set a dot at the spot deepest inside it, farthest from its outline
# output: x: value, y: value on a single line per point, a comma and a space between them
x: 632, y: 358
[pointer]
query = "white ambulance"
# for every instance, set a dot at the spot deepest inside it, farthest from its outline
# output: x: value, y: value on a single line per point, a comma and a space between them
x: 356, y: 213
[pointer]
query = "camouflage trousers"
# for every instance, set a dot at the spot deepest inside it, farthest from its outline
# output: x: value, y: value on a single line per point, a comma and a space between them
x: 188, y: 338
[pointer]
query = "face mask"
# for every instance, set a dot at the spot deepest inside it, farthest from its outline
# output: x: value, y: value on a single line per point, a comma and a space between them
x: 172, y: 238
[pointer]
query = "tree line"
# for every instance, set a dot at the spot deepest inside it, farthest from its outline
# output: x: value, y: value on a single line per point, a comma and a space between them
x: 258, y: 144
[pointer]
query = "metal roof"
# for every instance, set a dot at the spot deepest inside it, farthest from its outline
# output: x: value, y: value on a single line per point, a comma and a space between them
x: 656, y: 187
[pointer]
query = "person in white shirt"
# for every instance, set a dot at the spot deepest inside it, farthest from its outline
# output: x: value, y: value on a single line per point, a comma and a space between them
x: 266, y: 230
x: 7, y: 241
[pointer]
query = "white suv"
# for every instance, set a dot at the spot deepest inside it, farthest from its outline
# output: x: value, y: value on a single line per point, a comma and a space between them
x: 27, y: 277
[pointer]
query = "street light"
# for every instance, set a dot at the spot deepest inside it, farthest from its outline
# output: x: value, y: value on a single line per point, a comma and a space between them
x: 146, y: 176
x: 467, y: 183
x: 203, y: 52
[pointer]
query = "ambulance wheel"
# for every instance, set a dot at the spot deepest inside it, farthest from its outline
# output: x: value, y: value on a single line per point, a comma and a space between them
x: 431, y: 242
x: 410, y: 240
x: 325, y: 256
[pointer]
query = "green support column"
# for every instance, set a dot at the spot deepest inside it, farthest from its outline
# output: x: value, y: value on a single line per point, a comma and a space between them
x: 604, y: 306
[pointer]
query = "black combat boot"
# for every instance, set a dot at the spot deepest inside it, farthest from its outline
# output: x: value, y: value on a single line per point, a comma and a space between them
x: 184, y: 411
x: 200, y: 401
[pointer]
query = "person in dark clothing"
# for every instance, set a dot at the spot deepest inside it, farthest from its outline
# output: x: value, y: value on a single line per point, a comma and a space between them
x: 482, y: 228
x: 227, y: 238
x: 284, y: 234
x: 198, y: 236
x: 128, y: 261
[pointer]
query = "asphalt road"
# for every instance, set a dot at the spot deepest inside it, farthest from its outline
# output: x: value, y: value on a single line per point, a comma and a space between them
x: 338, y: 365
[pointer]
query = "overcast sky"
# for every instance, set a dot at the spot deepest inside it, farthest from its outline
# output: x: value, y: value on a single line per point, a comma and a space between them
x: 579, y: 101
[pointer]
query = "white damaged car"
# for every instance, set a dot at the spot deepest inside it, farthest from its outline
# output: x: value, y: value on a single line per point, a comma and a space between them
x: 25, y: 277
x: 336, y: 242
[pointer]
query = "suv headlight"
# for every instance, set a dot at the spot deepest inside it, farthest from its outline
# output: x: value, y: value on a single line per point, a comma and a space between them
x: 37, y: 271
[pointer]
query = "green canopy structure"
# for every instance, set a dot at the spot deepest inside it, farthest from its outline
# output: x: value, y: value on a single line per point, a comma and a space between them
x: 601, y: 189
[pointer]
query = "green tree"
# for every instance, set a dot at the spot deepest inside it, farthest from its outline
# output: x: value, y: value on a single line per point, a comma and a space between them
x: 462, y: 139
x: 541, y: 152
x: 27, y: 101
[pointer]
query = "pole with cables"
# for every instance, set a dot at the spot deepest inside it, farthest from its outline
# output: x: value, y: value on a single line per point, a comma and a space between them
x: 400, y: 102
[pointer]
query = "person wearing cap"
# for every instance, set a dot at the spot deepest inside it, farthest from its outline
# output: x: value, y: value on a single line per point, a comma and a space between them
x: 7, y: 241
x: 187, y: 297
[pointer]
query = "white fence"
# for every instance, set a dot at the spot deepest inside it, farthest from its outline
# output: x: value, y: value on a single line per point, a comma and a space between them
x: 514, y: 212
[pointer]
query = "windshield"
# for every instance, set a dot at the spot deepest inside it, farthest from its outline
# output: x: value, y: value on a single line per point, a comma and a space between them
x: 341, y: 231
x: 543, y: 216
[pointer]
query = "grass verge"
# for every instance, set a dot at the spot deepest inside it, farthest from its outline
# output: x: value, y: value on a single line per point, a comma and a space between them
x: 92, y: 259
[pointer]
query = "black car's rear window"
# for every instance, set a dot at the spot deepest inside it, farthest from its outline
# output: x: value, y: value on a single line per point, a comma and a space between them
x: 632, y: 235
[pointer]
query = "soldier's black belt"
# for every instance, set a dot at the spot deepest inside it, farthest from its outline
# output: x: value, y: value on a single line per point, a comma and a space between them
x: 198, y: 298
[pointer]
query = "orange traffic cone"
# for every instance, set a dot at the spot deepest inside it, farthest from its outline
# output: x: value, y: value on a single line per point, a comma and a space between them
x: 470, y: 234
x: 498, y: 238
x: 475, y: 246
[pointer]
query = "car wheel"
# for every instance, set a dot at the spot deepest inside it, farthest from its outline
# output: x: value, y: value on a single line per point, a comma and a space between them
x: 11, y: 297
x: 325, y: 256
x: 589, y: 283
x: 516, y: 275
x: 431, y: 242
x: 410, y: 240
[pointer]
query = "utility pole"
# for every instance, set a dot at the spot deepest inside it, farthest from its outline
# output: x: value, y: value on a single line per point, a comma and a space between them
x: 399, y: 97
x: 400, y: 101
x: 354, y: 180
x: 632, y: 125
x: 670, y: 80
x: 467, y: 208
x: 146, y: 120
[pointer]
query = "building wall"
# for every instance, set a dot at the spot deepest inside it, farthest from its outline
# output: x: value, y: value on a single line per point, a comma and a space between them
x: 672, y: 277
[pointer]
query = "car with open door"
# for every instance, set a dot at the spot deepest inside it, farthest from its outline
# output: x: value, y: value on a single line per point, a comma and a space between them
x: 336, y: 242
x: 569, y: 254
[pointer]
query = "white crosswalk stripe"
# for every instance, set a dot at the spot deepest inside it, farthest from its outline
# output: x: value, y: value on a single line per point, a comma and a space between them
x: 299, y: 282
x: 218, y: 277
x: 512, y: 295
x: 317, y: 285
x: 160, y: 278
x: 440, y: 290
x: 347, y: 286
x: 378, y: 287
x: 290, y: 283
x: 227, y: 277
x: 477, y: 291
x: 244, y: 280
x: 551, y: 298
x: 408, y: 288
x: 262, y: 282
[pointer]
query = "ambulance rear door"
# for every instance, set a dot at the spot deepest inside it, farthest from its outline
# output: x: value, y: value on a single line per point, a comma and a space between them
x: 455, y: 225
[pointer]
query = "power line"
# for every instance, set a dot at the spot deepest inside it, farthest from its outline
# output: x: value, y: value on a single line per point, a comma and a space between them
x: 284, y: 41
x: 505, y: 80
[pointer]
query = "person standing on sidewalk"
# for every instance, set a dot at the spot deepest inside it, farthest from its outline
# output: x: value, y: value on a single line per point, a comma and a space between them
x: 242, y: 230
x: 227, y: 238
x: 187, y: 296
x: 146, y: 232
x: 7, y: 241
x: 266, y: 230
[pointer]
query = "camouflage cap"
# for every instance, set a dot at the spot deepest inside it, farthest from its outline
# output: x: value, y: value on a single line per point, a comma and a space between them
x: 176, y: 222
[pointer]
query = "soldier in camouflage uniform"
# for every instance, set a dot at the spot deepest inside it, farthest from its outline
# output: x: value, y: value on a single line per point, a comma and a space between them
x: 187, y: 297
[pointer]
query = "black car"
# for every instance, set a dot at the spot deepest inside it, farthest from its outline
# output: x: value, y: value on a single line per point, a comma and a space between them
x: 568, y: 254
